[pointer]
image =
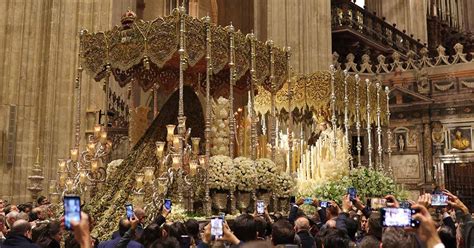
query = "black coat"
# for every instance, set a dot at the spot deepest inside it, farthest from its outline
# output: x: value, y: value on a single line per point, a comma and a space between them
x: 306, y: 239
x: 18, y: 241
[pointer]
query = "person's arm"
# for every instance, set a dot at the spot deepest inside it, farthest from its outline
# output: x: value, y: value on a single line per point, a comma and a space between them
x: 206, y: 237
x: 127, y: 237
x: 364, y: 209
x: 81, y: 231
x: 448, y: 221
x: 161, y: 219
x: 294, y: 210
x: 427, y: 229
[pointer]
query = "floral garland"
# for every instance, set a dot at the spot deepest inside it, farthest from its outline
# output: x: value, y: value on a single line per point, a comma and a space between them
x: 266, y: 173
x: 244, y: 174
x: 221, y: 169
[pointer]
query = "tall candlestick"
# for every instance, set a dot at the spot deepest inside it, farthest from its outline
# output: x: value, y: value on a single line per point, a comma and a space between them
x: 369, y: 128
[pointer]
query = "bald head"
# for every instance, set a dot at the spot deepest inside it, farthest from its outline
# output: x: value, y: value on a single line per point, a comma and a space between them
x: 301, y: 224
x: 20, y: 227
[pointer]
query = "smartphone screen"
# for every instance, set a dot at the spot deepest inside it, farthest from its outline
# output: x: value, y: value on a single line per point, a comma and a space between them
x: 378, y: 203
x: 352, y: 193
x: 397, y: 217
x: 72, y: 210
x: 260, y: 207
x: 217, y: 228
x: 323, y: 204
x: 308, y: 200
x: 439, y: 200
x: 168, y: 204
x: 129, y: 210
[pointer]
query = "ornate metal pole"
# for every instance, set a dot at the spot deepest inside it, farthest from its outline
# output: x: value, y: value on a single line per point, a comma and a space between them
x: 253, y: 81
x: 346, y: 117
x: 207, y: 131
x: 332, y: 70
x: 379, y: 129
x: 290, y: 107
x: 231, y: 90
x: 389, y: 134
x: 273, y: 107
x: 181, y: 118
x: 369, y: 128
x: 359, y: 144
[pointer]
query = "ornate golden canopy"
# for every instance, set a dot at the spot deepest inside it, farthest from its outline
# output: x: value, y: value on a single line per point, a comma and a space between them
x: 314, y: 91
x: 147, y: 52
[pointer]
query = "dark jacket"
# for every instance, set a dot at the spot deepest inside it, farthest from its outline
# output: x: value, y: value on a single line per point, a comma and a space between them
x: 114, y: 242
x: 47, y: 242
x: 18, y: 241
x: 306, y: 239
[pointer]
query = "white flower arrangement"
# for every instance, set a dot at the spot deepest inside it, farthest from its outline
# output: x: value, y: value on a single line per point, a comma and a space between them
x: 221, y: 169
x: 244, y: 172
x: 220, y: 127
x: 284, y: 185
x: 266, y: 173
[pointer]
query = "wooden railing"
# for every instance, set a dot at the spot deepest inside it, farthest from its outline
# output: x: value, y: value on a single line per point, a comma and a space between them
x: 347, y: 15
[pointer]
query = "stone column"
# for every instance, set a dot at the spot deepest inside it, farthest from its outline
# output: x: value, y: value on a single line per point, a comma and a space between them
x: 427, y: 153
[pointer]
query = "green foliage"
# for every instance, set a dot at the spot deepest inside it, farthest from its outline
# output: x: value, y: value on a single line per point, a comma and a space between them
x: 368, y: 182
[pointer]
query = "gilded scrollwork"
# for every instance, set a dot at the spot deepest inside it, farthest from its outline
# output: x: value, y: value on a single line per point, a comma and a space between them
x: 162, y: 39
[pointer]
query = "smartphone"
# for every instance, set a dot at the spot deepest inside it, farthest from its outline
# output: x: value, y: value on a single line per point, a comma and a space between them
x: 292, y: 199
x: 378, y: 203
x: 129, y: 210
x: 260, y: 207
x: 439, y: 200
x: 352, y: 193
x: 324, y: 204
x: 72, y: 210
x: 167, y: 204
x: 217, y: 228
x: 405, y: 204
x: 308, y: 200
x: 398, y: 217
x: 185, y: 241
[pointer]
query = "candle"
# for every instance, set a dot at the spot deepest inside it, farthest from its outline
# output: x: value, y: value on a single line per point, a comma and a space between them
x: 94, y: 165
x: 149, y: 173
x: 176, y: 142
x: 91, y: 148
x: 139, y: 180
x: 97, y: 129
x: 195, y: 143
x: 74, y: 154
x: 192, y: 168
x: 160, y: 147
x: 62, y: 179
x: 103, y: 137
x: 170, y: 132
x: 176, y: 160
x: 82, y: 176
x: 61, y: 165
x: 69, y: 184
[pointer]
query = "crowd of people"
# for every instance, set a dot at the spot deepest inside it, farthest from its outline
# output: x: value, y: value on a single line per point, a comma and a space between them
x: 349, y: 224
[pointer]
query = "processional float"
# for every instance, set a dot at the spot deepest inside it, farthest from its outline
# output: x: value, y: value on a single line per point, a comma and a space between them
x: 177, y: 51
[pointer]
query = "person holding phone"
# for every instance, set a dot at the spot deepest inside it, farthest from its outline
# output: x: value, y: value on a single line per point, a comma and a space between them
x: 227, y: 235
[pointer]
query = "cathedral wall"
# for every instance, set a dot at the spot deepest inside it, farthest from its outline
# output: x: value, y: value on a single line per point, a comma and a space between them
x: 38, y: 62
